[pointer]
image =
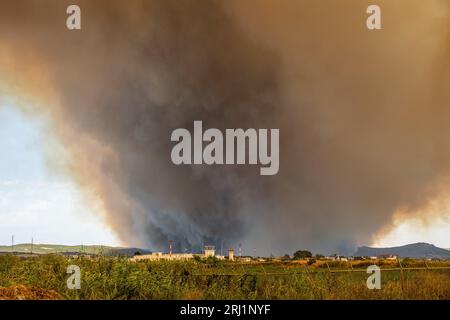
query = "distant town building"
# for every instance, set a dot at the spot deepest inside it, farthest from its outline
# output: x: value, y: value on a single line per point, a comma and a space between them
x: 209, y: 251
x: 388, y: 257
x: 163, y: 256
x: 336, y: 257
x: 231, y: 254
x: 245, y: 259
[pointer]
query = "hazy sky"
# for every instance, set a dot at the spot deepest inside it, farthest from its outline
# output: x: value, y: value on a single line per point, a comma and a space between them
x: 363, y: 118
x: 35, y: 202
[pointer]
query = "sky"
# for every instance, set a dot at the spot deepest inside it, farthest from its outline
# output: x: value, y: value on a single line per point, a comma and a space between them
x: 35, y: 201
x: 363, y: 119
x: 412, y: 231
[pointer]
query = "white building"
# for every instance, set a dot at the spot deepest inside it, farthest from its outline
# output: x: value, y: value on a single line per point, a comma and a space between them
x: 163, y: 256
x: 231, y: 254
x: 209, y: 251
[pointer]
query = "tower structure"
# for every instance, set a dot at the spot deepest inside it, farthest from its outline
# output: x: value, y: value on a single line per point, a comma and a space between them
x: 210, y: 251
x: 231, y: 254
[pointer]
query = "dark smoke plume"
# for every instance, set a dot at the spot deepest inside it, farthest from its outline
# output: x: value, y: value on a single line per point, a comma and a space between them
x: 363, y: 115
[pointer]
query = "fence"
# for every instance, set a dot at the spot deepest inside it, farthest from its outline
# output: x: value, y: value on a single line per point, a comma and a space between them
x: 242, y: 269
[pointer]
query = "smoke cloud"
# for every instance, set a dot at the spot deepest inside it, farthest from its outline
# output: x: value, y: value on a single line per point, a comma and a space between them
x: 363, y: 115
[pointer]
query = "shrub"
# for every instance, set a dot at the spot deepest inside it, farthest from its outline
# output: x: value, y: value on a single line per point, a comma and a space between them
x: 302, y: 254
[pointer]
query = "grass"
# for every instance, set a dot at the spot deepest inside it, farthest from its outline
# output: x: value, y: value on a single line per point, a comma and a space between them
x: 118, y: 278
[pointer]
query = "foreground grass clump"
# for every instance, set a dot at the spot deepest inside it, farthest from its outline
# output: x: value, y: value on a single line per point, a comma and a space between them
x: 119, y: 278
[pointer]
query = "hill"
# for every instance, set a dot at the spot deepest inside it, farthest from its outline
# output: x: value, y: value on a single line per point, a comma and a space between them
x: 56, y: 248
x: 418, y: 250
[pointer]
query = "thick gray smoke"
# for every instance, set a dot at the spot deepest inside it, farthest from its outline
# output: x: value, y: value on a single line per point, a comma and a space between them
x: 362, y: 114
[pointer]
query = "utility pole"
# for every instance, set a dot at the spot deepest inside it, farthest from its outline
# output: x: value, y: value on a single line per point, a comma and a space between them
x: 221, y: 248
x: 12, y: 243
x: 170, y: 247
x: 32, y: 245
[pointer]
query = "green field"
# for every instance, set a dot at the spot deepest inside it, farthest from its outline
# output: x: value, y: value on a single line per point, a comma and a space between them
x: 119, y: 278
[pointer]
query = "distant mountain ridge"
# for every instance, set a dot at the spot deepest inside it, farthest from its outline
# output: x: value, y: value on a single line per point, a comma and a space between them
x: 418, y: 250
x: 86, y: 249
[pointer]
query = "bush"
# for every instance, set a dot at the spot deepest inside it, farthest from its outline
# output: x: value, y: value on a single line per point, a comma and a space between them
x: 286, y: 257
x: 302, y: 254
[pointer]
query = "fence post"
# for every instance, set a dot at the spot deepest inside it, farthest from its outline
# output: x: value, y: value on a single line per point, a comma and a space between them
x: 328, y: 266
x: 401, y: 277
